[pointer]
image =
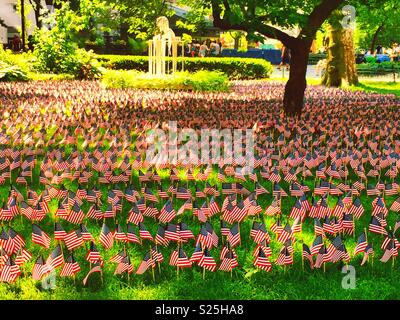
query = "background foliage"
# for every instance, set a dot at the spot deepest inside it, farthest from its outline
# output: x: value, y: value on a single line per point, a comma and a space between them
x: 198, y: 81
x: 56, y: 49
x: 235, y: 68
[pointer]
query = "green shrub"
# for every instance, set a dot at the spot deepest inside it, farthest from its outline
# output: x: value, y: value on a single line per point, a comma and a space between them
x: 370, y: 59
x: 88, y: 66
x: 198, y: 81
x: 23, y: 60
x: 388, y: 65
x: 235, y: 68
x: 57, y: 52
x: 14, y: 67
x: 50, y: 76
x: 313, y: 58
x: 12, y: 73
x: 137, y: 46
x: 374, y: 68
x: 61, y: 58
x: 187, y: 38
x: 208, y: 81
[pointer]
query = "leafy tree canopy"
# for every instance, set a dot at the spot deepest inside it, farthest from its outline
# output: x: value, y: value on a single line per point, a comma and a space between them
x: 377, y: 22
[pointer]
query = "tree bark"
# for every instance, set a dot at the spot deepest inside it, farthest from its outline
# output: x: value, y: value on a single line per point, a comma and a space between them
x: 349, y: 57
x: 236, y: 36
x: 293, y: 99
x: 23, y: 31
x: 335, y: 68
x: 236, y: 43
x: 341, y: 56
x: 299, y: 46
x: 37, y: 7
x: 37, y: 14
x: 374, y: 38
x: 124, y: 27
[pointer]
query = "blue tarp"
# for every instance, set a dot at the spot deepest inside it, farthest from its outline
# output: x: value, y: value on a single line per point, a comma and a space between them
x: 379, y: 57
x: 382, y: 58
x: 271, y: 55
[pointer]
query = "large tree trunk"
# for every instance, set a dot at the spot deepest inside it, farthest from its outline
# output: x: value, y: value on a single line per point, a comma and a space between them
x: 341, y: 55
x: 374, y: 38
x: 236, y: 43
x: 335, y: 68
x: 349, y: 57
x: 37, y: 7
x: 293, y: 99
x: 236, y: 36
x: 299, y: 46
x: 123, y: 30
x: 23, y: 27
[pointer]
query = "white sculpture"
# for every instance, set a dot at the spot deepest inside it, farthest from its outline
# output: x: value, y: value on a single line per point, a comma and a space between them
x: 165, y: 44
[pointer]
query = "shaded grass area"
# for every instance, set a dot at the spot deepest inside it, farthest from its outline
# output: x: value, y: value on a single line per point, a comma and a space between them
x: 378, y: 87
x: 292, y: 284
x: 383, y: 87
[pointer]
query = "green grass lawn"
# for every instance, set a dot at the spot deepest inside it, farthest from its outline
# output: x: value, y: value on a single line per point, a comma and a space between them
x: 378, y: 86
x: 373, y: 281
x: 364, y: 85
x: 35, y: 76
x: 377, y: 281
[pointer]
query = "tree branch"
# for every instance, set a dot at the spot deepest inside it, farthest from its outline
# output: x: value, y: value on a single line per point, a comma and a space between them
x: 227, y: 6
x: 252, y: 8
x: 320, y: 13
x: 255, y: 25
x: 216, y: 12
x: 275, y: 33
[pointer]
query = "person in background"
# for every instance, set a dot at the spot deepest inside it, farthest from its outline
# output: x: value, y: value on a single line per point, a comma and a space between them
x: 285, y: 58
x: 395, y: 53
x: 197, y: 49
x: 31, y: 40
x: 189, y: 49
x: 214, y: 49
x: 208, y: 43
x: 203, y: 50
x: 379, y: 49
x: 220, y: 44
x: 193, y: 49
x: 17, y: 46
x: 211, y: 46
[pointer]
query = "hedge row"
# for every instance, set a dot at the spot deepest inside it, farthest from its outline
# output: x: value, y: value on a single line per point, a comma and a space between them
x: 235, y: 68
x: 313, y: 58
x: 378, y: 68
x: 211, y: 81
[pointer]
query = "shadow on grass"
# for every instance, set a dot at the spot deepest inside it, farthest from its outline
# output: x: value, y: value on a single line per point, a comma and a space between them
x: 379, y: 87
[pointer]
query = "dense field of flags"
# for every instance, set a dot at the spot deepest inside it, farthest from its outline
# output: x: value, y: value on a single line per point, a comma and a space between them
x: 74, y: 178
